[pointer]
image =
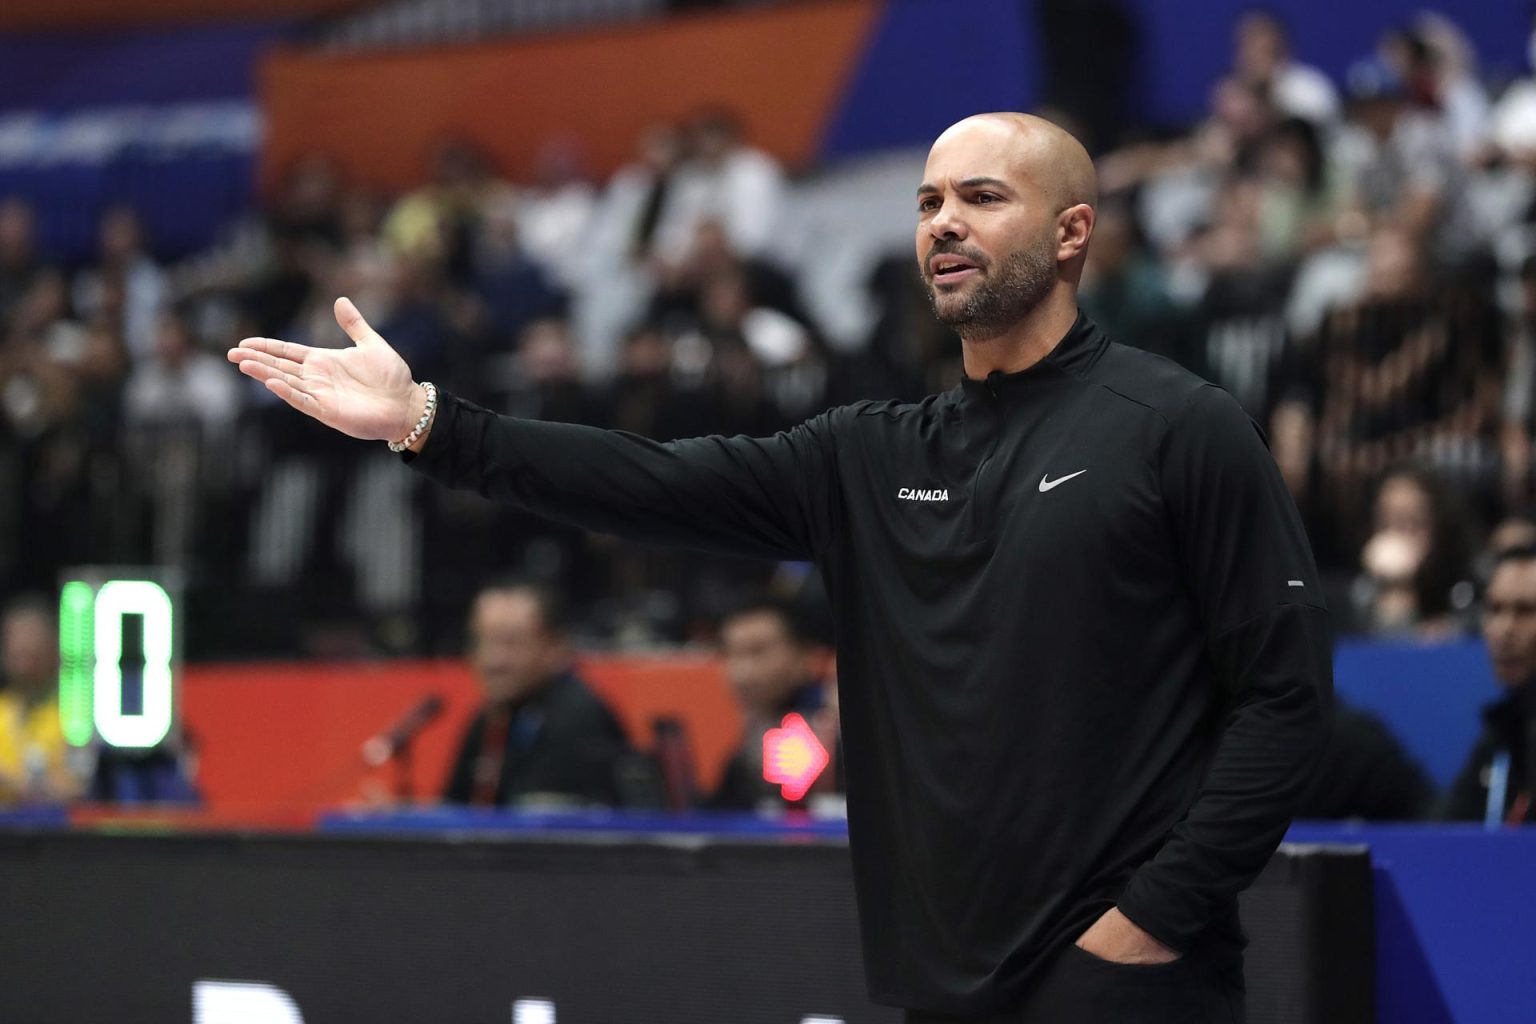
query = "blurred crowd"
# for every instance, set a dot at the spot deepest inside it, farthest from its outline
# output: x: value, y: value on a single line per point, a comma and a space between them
x: 1354, y: 260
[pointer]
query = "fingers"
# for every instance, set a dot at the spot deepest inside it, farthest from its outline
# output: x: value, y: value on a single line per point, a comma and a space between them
x: 269, y: 374
x: 353, y: 323
x: 244, y: 355
x: 284, y: 385
x: 300, y: 401
x: 271, y: 346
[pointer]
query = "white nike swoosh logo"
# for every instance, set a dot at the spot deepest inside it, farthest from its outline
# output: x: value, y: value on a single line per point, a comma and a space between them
x: 1046, y: 483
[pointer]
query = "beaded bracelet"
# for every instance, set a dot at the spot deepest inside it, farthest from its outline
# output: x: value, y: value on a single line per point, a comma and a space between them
x: 421, y: 424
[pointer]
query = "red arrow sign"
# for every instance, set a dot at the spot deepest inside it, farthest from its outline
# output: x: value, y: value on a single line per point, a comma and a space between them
x: 793, y: 757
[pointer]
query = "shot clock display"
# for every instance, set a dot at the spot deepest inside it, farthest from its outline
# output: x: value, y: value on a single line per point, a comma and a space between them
x: 118, y: 657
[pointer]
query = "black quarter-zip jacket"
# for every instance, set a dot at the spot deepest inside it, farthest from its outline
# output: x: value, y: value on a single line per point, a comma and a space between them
x: 1083, y: 655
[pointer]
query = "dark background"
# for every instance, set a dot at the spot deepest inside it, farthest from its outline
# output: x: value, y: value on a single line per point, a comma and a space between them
x: 681, y: 931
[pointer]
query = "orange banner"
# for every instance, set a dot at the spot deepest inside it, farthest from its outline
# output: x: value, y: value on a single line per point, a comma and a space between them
x: 284, y: 740
x: 782, y: 70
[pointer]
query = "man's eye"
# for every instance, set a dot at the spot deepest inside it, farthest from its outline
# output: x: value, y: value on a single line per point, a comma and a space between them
x: 924, y: 205
x: 985, y: 197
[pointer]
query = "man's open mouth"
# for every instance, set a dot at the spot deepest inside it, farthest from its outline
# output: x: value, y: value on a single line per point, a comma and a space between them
x: 951, y: 268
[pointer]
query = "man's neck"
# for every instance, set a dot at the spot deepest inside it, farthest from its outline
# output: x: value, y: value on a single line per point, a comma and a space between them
x: 1026, y: 342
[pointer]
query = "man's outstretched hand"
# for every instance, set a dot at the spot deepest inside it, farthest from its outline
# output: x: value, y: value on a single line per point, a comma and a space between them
x: 365, y: 391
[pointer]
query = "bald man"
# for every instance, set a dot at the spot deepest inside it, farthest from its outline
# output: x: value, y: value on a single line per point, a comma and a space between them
x: 1082, y: 647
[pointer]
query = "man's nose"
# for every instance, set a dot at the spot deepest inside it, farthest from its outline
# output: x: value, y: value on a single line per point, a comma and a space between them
x: 947, y: 222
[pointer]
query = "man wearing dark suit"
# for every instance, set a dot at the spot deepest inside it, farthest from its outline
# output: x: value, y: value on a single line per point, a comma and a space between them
x: 542, y: 733
x: 775, y: 668
x: 1497, y: 783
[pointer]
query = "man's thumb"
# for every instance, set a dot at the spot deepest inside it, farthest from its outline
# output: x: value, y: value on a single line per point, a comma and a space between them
x: 353, y: 323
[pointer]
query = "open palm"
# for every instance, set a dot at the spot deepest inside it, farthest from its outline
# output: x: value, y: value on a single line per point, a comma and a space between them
x: 365, y: 391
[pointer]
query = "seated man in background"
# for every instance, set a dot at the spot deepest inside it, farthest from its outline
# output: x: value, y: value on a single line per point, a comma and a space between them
x: 542, y: 735
x: 775, y: 668
x: 1499, y: 779
x: 34, y: 759
x: 1365, y: 774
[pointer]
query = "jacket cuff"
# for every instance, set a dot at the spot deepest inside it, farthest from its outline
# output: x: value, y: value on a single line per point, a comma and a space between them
x: 1168, y: 921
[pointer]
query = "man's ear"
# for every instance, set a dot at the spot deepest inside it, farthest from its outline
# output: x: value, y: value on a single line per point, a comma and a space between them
x: 1074, y: 226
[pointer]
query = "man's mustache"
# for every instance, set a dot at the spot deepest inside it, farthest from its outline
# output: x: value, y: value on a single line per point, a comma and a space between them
x: 952, y: 249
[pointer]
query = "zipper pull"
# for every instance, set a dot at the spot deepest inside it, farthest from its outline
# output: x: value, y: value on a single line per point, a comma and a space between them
x: 994, y: 382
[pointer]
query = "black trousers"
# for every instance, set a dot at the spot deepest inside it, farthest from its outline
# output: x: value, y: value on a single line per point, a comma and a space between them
x: 1079, y: 988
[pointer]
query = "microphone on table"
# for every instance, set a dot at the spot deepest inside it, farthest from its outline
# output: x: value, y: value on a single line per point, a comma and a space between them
x: 390, y: 742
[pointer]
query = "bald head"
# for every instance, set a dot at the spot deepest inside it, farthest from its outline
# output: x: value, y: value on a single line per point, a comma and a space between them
x: 1005, y: 212
x: 1044, y: 154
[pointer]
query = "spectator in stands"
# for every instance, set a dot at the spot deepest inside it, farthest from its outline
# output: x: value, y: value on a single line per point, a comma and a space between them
x: 39, y: 395
x: 437, y: 222
x: 1300, y: 192
x: 1403, y: 167
x: 18, y: 255
x: 1125, y: 288
x: 307, y: 203
x: 678, y: 302
x: 1519, y: 406
x: 1451, y: 90
x: 908, y: 353
x: 1263, y: 58
x: 276, y: 275
x: 1512, y: 121
x: 646, y: 398
x: 787, y: 367
x: 102, y: 373
x: 1181, y: 176
x: 179, y: 384
x: 125, y: 288
x: 554, y: 212
x: 1498, y: 782
x: 542, y: 736
x: 1514, y: 531
x: 640, y: 197
x: 1241, y: 328
x: 514, y: 287
x: 775, y: 669
x: 45, y: 430
x: 366, y: 268
x: 638, y: 208
x: 545, y: 381
x: 43, y: 317
x: 725, y: 180
x: 422, y: 307
x: 1416, y: 566
x: 1411, y: 370
x: 34, y: 758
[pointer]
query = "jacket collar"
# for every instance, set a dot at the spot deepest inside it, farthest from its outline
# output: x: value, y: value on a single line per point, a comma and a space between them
x: 1078, y: 350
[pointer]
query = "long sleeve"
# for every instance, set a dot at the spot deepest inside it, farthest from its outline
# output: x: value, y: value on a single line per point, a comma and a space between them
x: 1247, y: 564
x: 771, y: 497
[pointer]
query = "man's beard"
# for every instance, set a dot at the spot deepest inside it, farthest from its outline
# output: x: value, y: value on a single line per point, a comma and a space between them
x: 1006, y: 293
